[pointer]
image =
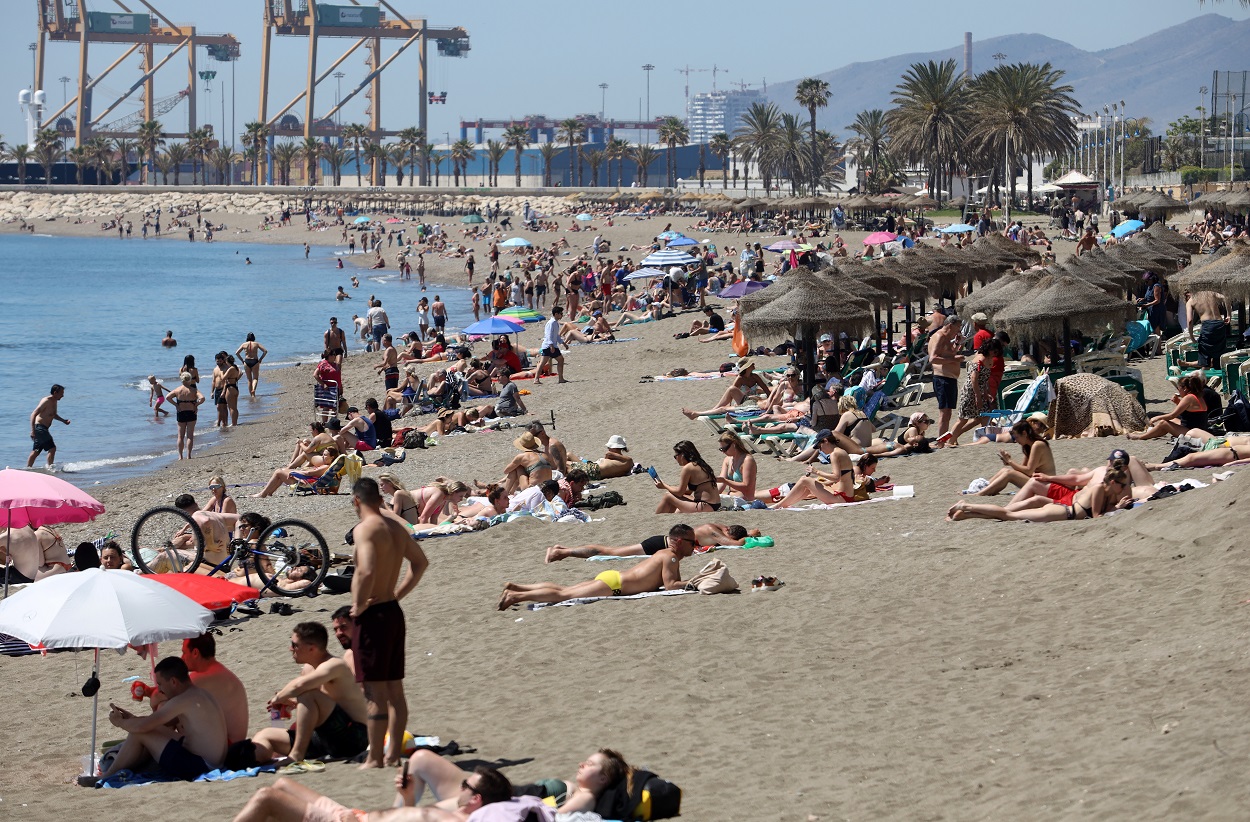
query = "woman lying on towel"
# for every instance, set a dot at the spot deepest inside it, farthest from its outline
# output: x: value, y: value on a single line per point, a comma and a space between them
x: 1065, y: 503
x: 847, y: 482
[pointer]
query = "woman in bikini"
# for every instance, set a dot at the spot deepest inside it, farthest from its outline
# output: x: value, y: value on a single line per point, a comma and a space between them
x: 188, y: 367
x: 220, y: 502
x: 187, y: 399
x: 230, y: 386
x: 836, y: 486
x: 439, y: 501
x: 696, y: 488
x: 284, y: 476
x: 402, y: 502
x: 493, y: 503
x: 1190, y: 412
x: 1092, y: 501
x: 310, y: 450
x: 1038, y: 458
x: 252, y: 353
x: 738, y: 469
x: 528, y: 468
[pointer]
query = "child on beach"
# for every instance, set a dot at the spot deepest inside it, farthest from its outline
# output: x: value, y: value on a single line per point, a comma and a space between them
x: 156, y: 397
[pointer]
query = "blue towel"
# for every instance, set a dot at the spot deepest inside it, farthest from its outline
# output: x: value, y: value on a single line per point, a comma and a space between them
x: 126, y: 778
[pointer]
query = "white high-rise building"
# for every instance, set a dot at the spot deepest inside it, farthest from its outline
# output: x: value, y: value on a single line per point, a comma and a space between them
x: 712, y: 112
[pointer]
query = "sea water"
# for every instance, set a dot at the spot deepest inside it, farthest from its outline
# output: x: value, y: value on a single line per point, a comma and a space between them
x: 89, y: 313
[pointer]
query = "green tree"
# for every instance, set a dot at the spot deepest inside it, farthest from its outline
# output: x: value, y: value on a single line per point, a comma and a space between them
x: 929, y: 120
x: 178, y: 154
x: 100, y: 157
x: 397, y: 154
x: 548, y: 152
x: 871, y: 141
x: 378, y: 157
x: 310, y: 152
x: 150, y: 139
x: 758, y: 137
x: 672, y: 133
x: 355, y: 134
x: 411, y: 140
x: 813, y: 93
x: 336, y: 157
x: 21, y: 154
x: 644, y: 157
x: 517, y: 138
x: 571, y: 131
x: 80, y: 156
x: 462, y: 153
x: 164, y: 164
x: 721, y: 146
x: 495, y: 150
x: 594, y: 159
x: 255, y: 141
x: 790, y: 156
x: 222, y: 159
x: 285, y: 154
x: 124, y: 149
x: 616, y: 151
x: 436, y: 160
x: 48, y: 149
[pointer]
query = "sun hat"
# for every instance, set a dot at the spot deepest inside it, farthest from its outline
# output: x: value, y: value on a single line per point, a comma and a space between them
x: 745, y: 362
x: 526, y: 442
x: 1040, y: 415
x: 918, y: 417
x: 334, y: 424
x: 617, y: 441
x: 980, y: 317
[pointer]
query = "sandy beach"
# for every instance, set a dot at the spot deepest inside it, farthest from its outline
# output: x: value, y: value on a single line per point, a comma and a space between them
x: 911, y: 668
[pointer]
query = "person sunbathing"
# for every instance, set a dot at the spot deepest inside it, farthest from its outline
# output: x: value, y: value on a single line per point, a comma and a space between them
x: 310, y: 451
x: 1038, y: 459
x: 848, y: 482
x: 696, y: 488
x: 597, y: 330
x: 284, y: 476
x: 1092, y: 501
x: 660, y: 571
x: 1190, y: 412
x: 706, y: 534
x: 614, y: 463
x: 36, y: 553
x: 492, y: 504
x: 1054, y: 485
x: 738, y: 469
x: 438, y: 502
x: 914, y: 440
x: 747, y: 383
x: 403, y: 505
x: 1222, y: 451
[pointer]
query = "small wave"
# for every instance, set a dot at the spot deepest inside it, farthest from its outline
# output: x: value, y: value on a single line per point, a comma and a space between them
x: 91, y: 465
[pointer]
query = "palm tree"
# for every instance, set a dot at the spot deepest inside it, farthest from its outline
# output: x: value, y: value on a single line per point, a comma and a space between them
x: 151, y: 138
x: 548, y: 152
x: 221, y: 159
x: 397, y: 154
x: 310, y: 150
x: 164, y: 164
x: 672, y: 133
x: 790, y: 156
x: 721, y: 146
x: 811, y: 94
x: 48, y: 149
x: 571, y: 131
x: 21, y: 155
x: 436, y: 160
x: 1020, y: 110
x: 335, y: 157
x: 255, y: 139
x: 354, y: 134
x: 462, y: 154
x: 644, y: 156
x: 616, y: 149
x: 377, y: 156
x: 100, y: 156
x: 197, y: 146
x: 495, y: 150
x: 411, y: 139
x: 251, y: 160
x: 871, y: 140
x: 517, y: 138
x: 929, y: 120
x: 285, y: 154
x: 80, y: 156
x: 124, y: 149
x: 594, y: 159
x: 177, y: 154
x: 758, y: 137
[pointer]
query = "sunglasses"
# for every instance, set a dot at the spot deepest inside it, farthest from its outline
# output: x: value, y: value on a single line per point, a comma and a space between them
x: 465, y: 786
x: 724, y: 448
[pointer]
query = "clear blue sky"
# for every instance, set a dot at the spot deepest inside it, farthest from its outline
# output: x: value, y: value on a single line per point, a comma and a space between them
x: 549, y: 58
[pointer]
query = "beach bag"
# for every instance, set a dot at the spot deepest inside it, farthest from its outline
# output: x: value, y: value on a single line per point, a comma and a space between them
x: 414, y: 438
x: 713, y: 578
x: 608, y: 499
x: 642, y: 796
x: 1237, y: 412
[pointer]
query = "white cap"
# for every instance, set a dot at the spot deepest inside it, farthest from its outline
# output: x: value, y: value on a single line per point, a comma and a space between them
x: 617, y: 441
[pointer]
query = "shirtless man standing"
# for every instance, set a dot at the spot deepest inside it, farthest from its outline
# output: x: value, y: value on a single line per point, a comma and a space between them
x: 215, y: 527
x: 389, y: 367
x: 438, y: 312
x: 43, y: 415
x: 946, y: 361
x: 1209, y: 314
x: 328, y: 706
x: 185, y: 736
x: 661, y: 570
x: 335, y: 342
x: 383, y: 542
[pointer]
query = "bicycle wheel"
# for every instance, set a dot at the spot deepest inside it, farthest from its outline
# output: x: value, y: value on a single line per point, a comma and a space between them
x: 286, y: 546
x: 167, y: 541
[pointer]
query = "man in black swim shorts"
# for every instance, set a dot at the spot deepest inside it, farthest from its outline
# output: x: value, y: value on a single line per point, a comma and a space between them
x: 648, y: 547
x: 326, y: 703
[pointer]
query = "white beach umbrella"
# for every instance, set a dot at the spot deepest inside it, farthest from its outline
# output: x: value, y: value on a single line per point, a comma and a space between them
x: 98, y: 609
x: 666, y: 257
x: 645, y: 274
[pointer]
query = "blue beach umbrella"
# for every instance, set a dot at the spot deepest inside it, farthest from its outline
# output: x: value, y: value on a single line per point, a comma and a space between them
x: 471, y: 219
x: 583, y: 217
x: 1127, y: 227
x: 516, y: 242
x: 645, y: 274
x: 495, y: 325
x: 958, y: 228
x: 682, y: 241
x: 362, y: 220
x: 669, y: 235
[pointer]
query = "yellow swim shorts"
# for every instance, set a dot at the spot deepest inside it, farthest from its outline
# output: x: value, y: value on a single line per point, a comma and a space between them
x: 612, y: 579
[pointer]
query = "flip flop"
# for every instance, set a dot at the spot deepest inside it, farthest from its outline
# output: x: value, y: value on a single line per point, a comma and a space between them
x: 303, y: 766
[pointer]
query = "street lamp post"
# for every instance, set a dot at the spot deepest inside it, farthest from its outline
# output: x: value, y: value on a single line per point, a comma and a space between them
x: 63, y: 80
x: 603, y: 98
x: 648, y: 68
x: 338, y: 95
x: 1123, y: 144
x: 34, y: 65
x: 1202, y: 127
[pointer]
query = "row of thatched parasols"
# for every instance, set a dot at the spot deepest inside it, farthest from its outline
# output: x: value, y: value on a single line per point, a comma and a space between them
x: 1089, y: 293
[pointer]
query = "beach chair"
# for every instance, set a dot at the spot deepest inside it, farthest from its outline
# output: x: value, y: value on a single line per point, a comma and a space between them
x: 899, y: 389
x: 856, y: 361
x: 1032, y: 396
x: 1129, y: 378
x: 1230, y: 364
x: 330, y: 481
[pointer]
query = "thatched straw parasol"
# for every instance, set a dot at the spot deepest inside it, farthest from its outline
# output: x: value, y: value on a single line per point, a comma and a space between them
x: 1143, y: 259
x: 999, y: 294
x: 858, y: 201
x: 958, y: 202
x: 1229, y: 275
x: 923, y: 201
x: 1158, y: 247
x: 1059, y: 302
x: 1237, y: 200
x: 1174, y: 238
x: 1158, y: 202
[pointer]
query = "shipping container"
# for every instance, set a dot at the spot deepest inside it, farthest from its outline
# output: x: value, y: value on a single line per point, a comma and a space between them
x: 106, y: 22
x: 348, y: 16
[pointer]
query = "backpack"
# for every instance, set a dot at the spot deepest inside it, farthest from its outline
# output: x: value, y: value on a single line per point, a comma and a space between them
x: 608, y: 499
x: 414, y: 438
x: 650, y: 798
x: 1237, y: 412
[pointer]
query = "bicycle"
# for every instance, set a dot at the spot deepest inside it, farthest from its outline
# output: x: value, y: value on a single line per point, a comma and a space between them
x: 168, y: 540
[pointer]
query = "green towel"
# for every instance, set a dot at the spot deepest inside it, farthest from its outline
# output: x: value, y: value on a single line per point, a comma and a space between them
x: 758, y: 542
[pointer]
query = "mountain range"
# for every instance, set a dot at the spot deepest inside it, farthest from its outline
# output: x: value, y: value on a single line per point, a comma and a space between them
x: 1157, y: 76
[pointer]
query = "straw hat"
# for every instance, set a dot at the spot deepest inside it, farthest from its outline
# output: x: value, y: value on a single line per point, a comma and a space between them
x: 617, y: 441
x: 526, y: 442
x: 387, y: 476
x: 745, y: 363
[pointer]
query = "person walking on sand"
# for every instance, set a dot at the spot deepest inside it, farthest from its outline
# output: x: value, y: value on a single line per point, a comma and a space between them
x: 40, y: 419
x: 383, y: 542
x: 156, y: 397
x: 252, y: 353
x: 551, y: 347
x: 438, y: 310
x: 186, y: 400
x: 335, y: 341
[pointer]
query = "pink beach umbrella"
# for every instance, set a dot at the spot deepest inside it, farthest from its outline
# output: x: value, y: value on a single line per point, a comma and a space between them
x: 879, y: 238
x: 31, y: 498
